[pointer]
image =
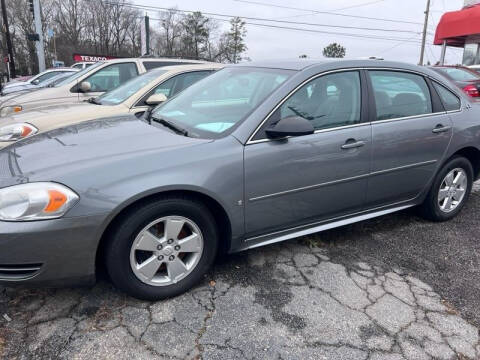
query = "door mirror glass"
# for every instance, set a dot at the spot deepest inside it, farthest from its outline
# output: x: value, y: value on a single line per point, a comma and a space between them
x: 85, y: 86
x: 290, y: 126
x: 156, y: 99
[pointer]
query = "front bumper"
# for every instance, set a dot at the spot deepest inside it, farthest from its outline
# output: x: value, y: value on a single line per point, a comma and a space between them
x: 51, y: 252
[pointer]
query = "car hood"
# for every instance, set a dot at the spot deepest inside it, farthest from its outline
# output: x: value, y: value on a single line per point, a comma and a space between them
x: 7, y: 97
x: 97, y: 143
x: 55, y: 116
x: 39, y: 95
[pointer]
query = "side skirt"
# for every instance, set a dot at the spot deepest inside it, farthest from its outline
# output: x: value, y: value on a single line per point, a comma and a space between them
x: 283, y: 235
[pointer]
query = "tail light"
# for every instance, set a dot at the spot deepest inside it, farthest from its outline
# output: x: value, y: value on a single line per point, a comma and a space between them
x: 471, y: 90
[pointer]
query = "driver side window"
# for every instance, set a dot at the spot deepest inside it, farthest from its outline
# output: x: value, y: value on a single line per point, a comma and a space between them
x: 328, y: 101
x: 112, y: 76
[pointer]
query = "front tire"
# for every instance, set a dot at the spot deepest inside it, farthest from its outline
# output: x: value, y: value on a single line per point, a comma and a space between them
x: 450, y: 190
x: 162, y: 248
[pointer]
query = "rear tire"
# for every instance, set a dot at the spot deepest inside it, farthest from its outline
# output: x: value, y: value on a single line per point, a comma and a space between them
x: 450, y: 190
x: 161, y: 249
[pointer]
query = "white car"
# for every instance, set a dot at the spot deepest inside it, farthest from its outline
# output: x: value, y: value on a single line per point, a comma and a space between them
x: 90, y: 82
x: 27, y: 86
x: 135, y: 97
x: 35, y: 80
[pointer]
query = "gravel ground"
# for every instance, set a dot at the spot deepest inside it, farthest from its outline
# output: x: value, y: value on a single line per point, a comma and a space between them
x: 396, y: 287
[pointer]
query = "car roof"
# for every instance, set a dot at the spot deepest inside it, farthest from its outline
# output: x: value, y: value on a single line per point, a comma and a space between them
x: 187, y: 67
x: 301, y: 64
x: 449, y: 66
x: 61, y: 69
x: 149, y: 59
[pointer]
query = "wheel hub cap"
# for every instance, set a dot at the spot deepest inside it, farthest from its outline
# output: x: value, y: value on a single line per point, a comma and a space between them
x: 168, y: 251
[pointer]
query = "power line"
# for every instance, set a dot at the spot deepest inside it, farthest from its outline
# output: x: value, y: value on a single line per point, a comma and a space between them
x: 397, y: 45
x: 158, y: 8
x: 340, y: 9
x: 328, y: 12
x: 363, y: 36
x: 359, y: 5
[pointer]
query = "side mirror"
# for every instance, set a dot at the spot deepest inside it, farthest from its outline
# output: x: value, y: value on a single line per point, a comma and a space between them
x: 156, y: 99
x: 35, y: 82
x: 85, y: 86
x: 290, y: 126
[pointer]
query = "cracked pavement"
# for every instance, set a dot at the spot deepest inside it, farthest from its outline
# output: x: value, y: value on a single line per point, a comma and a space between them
x: 396, y: 287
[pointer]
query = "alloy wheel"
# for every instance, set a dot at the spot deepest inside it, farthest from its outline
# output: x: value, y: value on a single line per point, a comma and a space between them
x: 452, y: 190
x: 166, y: 250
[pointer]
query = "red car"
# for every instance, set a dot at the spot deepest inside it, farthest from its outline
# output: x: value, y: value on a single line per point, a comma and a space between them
x: 466, y: 79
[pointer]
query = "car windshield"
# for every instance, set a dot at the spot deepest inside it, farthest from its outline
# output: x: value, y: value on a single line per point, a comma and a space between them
x: 214, y: 105
x: 79, y: 74
x: 132, y: 86
x: 460, y: 74
x: 56, y: 79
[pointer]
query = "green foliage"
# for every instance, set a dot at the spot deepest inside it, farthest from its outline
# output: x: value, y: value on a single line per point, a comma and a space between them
x: 235, y: 40
x: 334, y: 50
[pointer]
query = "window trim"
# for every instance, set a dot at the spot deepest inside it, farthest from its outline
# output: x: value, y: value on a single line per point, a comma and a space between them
x: 369, y: 98
x: 363, y: 111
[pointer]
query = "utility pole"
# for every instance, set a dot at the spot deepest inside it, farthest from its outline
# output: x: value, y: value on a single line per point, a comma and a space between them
x: 11, y: 60
x: 145, y: 36
x: 424, y: 38
x: 37, y: 16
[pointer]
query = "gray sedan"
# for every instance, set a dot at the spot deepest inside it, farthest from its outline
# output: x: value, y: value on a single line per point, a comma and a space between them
x: 251, y: 155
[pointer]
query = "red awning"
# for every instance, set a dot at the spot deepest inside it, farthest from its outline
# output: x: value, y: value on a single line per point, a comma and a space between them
x: 455, y: 26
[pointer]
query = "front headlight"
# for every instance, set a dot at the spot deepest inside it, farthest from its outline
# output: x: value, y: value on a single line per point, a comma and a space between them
x: 12, y: 109
x: 18, y: 131
x: 35, y: 201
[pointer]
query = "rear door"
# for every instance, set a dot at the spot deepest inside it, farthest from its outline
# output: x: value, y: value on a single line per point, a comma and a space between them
x: 410, y: 132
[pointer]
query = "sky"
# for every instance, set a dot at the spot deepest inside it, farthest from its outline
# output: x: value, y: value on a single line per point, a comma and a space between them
x: 267, y: 43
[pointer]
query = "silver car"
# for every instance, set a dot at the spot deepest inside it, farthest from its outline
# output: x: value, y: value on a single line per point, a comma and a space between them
x: 251, y: 155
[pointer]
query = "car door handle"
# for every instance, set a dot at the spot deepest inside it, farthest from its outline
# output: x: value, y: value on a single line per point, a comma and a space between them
x: 352, y: 144
x: 441, y: 129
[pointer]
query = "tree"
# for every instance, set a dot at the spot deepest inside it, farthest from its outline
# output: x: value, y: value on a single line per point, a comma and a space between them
x: 235, y: 40
x: 334, y: 50
x: 196, y: 34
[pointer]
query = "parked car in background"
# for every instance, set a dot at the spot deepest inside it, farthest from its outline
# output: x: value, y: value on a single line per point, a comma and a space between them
x: 82, y: 65
x: 48, y: 83
x: 21, y: 78
x: 135, y: 97
x: 34, y: 80
x: 251, y: 155
x: 466, y: 79
x: 475, y: 68
x: 27, y: 86
x: 90, y: 82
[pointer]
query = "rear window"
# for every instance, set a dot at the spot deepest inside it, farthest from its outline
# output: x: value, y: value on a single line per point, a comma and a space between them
x: 450, y: 101
x: 400, y: 94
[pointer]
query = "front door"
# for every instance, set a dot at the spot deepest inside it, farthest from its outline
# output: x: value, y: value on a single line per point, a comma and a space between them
x: 300, y: 180
x: 410, y: 134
